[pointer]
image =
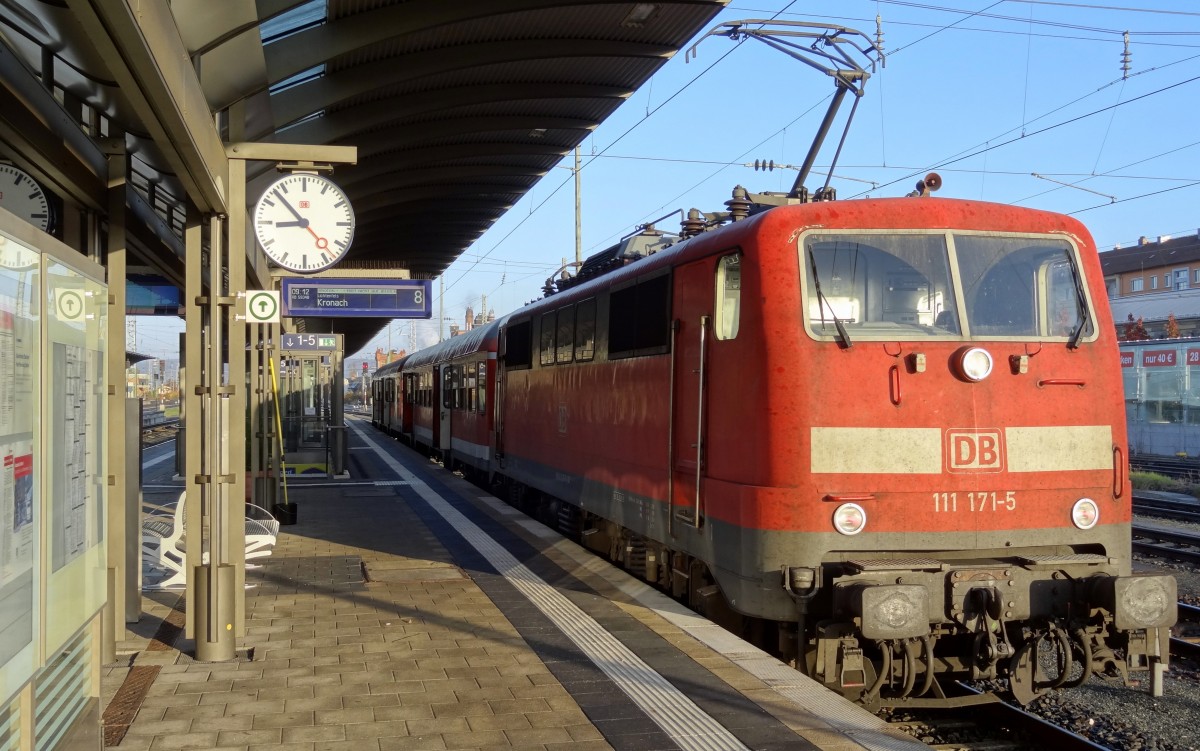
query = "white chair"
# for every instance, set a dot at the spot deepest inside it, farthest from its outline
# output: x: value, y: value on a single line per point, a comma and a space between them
x: 164, y: 546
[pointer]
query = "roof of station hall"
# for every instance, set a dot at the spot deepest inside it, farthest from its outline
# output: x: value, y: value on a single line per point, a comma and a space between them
x: 457, y: 108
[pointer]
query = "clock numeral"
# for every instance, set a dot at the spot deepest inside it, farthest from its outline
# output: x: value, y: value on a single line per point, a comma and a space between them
x: 344, y: 224
x: 339, y: 204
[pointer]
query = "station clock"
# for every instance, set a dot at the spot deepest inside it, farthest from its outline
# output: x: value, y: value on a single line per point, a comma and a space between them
x: 24, y: 196
x: 304, y: 222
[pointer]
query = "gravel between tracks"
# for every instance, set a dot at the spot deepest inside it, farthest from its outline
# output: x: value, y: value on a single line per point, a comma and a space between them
x: 1129, y: 718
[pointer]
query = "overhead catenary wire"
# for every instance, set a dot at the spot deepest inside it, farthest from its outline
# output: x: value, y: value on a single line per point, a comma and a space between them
x: 618, y: 139
x: 483, y: 258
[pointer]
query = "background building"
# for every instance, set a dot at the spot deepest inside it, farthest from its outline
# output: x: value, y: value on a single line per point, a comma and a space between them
x: 1154, y: 281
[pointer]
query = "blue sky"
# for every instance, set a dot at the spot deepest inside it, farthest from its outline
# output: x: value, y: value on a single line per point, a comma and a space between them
x: 985, y: 92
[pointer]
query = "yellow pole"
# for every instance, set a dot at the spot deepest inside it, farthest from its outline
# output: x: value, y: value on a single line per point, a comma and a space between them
x: 278, y: 427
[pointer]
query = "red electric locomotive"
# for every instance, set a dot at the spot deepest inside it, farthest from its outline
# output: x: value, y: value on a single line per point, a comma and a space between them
x: 885, y: 437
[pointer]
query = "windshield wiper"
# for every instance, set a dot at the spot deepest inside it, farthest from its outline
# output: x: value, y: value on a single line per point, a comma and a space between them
x: 1073, y: 342
x: 823, y: 302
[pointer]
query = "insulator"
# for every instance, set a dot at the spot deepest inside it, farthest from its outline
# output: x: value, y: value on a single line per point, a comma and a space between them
x: 693, y: 225
x: 739, y: 205
x: 1126, y: 58
x: 879, y: 34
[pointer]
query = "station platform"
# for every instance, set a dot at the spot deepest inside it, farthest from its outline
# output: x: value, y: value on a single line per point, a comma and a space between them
x: 409, y: 609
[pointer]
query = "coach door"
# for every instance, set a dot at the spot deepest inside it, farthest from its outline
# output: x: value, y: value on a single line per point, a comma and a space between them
x: 441, y: 426
x: 691, y: 316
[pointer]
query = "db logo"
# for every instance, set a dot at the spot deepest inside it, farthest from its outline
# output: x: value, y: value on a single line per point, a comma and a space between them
x: 974, y: 450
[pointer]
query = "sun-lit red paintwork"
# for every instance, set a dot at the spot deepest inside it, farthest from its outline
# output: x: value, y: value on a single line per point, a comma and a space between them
x: 623, y: 438
x: 769, y: 385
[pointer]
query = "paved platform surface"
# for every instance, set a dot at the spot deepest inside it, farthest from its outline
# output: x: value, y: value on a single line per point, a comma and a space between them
x: 408, y: 609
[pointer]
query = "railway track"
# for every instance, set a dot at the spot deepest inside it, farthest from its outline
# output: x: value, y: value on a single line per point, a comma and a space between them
x: 994, y: 726
x: 153, y: 435
x: 1167, y: 465
x: 1180, y: 509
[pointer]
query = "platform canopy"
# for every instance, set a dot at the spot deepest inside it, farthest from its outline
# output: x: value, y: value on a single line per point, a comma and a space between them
x: 457, y: 107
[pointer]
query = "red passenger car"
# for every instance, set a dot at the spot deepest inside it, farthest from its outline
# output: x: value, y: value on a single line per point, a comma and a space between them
x: 885, y: 436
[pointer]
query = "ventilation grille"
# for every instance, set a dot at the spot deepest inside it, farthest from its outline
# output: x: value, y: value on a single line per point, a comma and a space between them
x: 62, y: 691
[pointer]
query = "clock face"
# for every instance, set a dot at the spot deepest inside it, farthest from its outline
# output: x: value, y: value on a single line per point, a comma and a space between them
x: 21, y: 194
x: 304, y: 222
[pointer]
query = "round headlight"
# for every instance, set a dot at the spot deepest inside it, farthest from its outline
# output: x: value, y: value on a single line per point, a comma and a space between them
x: 849, y: 519
x: 1085, y: 513
x: 973, y: 363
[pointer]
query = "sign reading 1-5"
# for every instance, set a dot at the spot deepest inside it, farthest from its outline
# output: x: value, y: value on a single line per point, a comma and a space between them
x: 304, y: 222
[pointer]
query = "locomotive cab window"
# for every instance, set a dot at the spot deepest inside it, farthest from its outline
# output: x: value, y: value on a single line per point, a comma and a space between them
x: 729, y: 296
x: 917, y: 285
x: 1018, y: 286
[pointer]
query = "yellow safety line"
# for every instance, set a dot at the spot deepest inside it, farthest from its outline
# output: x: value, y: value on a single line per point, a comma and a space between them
x: 278, y: 428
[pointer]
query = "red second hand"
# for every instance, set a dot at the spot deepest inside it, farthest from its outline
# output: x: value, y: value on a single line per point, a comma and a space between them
x: 322, y: 243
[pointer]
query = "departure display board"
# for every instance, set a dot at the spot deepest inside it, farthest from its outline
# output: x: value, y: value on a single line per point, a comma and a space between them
x: 358, y: 298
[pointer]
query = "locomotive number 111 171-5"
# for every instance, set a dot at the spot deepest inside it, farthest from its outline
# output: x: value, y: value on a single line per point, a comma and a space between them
x: 987, y: 500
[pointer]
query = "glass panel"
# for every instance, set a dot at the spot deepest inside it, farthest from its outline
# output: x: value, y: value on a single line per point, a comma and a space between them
x: 729, y: 296
x: 21, y: 514
x: 76, y: 313
x: 1164, y: 394
x: 1016, y: 286
x: 585, y: 330
x: 894, y: 285
x: 547, y: 343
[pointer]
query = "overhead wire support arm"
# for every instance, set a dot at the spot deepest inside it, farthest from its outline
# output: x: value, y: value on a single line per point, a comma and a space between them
x: 830, y: 51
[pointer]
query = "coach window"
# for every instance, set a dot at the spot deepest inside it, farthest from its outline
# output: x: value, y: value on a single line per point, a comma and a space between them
x: 729, y: 296
x: 585, y: 330
x: 481, y: 388
x: 565, y: 337
x: 470, y: 387
x: 546, y: 352
x: 447, y: 387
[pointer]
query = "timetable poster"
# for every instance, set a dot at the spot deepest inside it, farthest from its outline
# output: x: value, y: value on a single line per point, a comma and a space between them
x: 72, y: 532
